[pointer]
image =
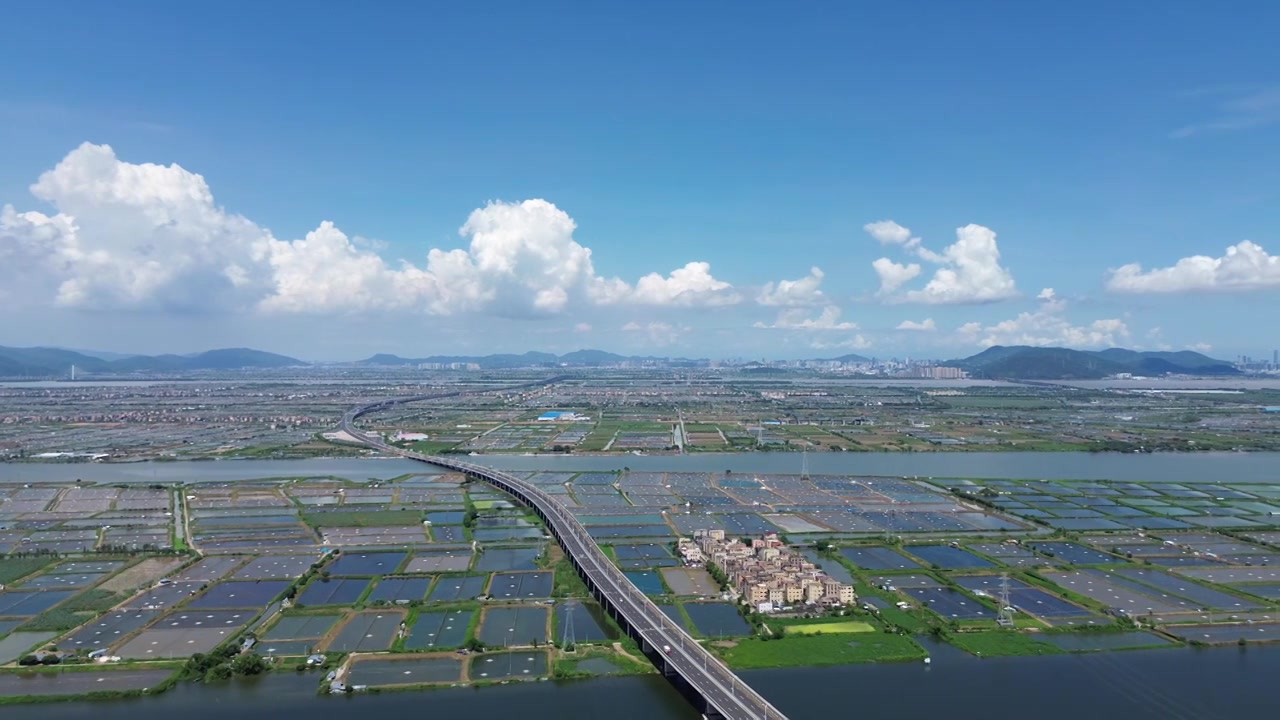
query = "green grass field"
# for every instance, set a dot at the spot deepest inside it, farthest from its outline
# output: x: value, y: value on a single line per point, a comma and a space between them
x: 13, y: 568
x: 598, y: 438
x: 839, y: 649
x: 848, y: 626
x: 1000, y: 402
x: 57, y: 619
x: 566, y: 580
x: 907, y: 620
x: 94, y: 600
x: 646, y: 426
x: 1001, y: 643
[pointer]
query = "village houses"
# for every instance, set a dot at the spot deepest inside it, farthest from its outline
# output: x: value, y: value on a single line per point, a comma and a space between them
x: 764, y: 572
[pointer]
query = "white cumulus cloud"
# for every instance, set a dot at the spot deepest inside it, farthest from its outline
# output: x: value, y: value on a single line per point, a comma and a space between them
x: 27, y: 267
x: 1045, y: 327
x: 690, y: 286
x: 893, y: 275
x: 1244, y: 266
x: 805, y: 292
x: 325, y: 271
x: 799, y: 319
x: 969, y: 270
x: 926, y: 325
x: 127, y: 235
x: 889, y: 232
x: 521, y: 260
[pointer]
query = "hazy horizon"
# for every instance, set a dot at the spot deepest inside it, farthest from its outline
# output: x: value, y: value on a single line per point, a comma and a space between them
x: 664, y: 179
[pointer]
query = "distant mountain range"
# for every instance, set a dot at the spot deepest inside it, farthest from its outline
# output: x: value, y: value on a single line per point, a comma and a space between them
x: 1022, y: 362
x: 850, y: 358
x: 54, y: 362
x: 1016, y: 362
x: 40, y: 362
x: 577, y: 358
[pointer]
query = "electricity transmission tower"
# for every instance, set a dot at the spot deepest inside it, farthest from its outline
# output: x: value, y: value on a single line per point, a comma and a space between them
x: 568, y: 639
x: 1005, y: 616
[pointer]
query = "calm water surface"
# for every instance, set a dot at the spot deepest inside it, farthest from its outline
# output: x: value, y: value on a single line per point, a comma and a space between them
x: 64, y: 385
x: 1180, y: 684
x: 1159, y: 467
x: 210, y: 471
x: 1171, y: 467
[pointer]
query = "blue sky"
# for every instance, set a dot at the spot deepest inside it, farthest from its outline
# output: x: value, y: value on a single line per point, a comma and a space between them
x: 1070, y: 140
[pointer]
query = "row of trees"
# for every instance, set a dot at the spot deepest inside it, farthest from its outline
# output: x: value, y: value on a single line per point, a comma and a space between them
x: 224, y: 662
x: 47, y: 659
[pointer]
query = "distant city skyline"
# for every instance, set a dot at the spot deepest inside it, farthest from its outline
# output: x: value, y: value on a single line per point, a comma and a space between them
x: 666, y: 179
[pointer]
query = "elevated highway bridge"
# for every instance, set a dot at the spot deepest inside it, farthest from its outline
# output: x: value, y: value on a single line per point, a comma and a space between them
x: 718, y: 691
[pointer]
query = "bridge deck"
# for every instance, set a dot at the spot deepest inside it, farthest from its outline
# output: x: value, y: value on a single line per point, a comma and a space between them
x: 720, y: 688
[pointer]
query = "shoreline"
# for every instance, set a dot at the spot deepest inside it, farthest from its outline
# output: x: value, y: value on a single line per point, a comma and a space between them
x: 941, y: 450
x: 946, y: 654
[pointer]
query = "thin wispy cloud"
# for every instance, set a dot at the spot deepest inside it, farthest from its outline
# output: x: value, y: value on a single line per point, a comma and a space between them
x: 1235, y: 108
x: 150, y: 126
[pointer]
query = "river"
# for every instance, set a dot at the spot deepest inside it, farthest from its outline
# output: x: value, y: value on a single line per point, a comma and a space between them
x: 1176, y: 684
x: 78, y: 384
x: 1154, y: 467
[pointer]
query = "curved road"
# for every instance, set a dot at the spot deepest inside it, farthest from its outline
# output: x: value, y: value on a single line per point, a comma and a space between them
x: 723, y: 692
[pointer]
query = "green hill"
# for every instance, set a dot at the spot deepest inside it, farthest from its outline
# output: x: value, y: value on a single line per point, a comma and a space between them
x: 51, y: 362
x: 1022, y: 362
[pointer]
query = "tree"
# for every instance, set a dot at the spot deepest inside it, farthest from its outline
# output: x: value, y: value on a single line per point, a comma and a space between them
x: 198, y: 663
x: 28, y: 661
x: 250, y: 663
